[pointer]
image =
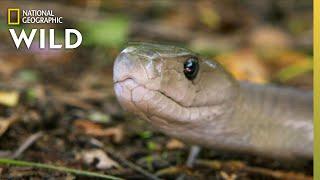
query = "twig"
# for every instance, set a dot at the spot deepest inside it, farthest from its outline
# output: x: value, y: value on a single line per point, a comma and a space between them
x: 132, y: 165
x: 31, y: 139
x: 240, y: 166
x: 57, y: 168
x: 277, y: 174
x: 73, y: 101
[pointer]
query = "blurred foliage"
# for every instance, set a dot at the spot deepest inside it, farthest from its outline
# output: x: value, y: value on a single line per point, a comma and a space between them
x: 28, y: 76
x: 152, y: 146
x: 146, y: 134
x: 3, y: 25
x: 209, y: 16
x: 109, y: 32
x: 294, y: 70
x: 31, y: 95
x: 99, y: 117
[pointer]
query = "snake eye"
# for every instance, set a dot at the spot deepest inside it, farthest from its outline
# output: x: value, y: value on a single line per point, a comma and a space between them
x: 191, y: 68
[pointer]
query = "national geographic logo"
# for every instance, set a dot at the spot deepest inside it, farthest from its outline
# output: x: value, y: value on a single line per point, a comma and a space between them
x: 17, y: 16
x: 32, y: 16
x: 13, y: 16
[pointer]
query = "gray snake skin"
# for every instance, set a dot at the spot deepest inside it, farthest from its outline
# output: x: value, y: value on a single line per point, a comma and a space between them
x: 212, y: 109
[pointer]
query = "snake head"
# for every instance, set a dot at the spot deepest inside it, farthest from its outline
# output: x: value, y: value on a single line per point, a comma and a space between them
x: 169, y: 85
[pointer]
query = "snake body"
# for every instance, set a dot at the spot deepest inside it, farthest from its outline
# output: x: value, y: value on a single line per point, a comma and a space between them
x: 209, y: 107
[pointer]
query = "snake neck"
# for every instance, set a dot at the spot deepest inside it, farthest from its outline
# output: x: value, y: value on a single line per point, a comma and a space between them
x: 271, y: 120
x: 274, y: 103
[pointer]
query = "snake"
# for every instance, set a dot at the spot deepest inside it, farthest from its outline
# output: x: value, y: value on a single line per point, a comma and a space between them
x: 196, y: 100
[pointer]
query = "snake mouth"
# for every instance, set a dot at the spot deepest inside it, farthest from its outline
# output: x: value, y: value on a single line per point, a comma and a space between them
x: 132, y: 81
x: 123, y: 80
x: 150, y: 103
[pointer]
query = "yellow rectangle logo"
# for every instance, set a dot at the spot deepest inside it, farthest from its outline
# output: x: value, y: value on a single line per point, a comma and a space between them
x: 11, y: 14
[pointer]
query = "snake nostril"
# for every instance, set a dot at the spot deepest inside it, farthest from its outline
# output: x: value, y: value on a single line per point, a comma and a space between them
x: 142, y: 65
x: 120, y: 68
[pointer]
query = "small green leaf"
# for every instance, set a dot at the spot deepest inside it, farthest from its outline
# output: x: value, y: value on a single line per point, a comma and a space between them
x: 294, y: 71
x: 31, y: 95
x: 152, y: 145
x: 99, y: 117
x: 28, y: 76
x: 146, y: 134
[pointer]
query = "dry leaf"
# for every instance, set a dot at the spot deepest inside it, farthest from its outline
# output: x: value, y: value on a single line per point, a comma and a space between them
x: 269, y: 41
x: 288, y: 58
x: 174, y: 144
x: 9, y: 98
x: 5, y: 123
x: 170, y: 171
x: 245, y: 65
x: 94, y: 129
x: 99, y: 158
x: 225, y: 176
x: 208, y: 14
x: 9, y: 64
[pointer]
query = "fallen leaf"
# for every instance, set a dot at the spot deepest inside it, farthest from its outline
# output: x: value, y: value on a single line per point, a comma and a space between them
x: 9, y: 98
x: 94, y: 129
x: 226, y: 176
x: 245, y: 65
x: 269, y: 41
x: 99, y: 158
x: 288, y: 58
x: 219, y: 165
x: 5, y: 123
x: 174, y: 144
x: 21, y: 172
